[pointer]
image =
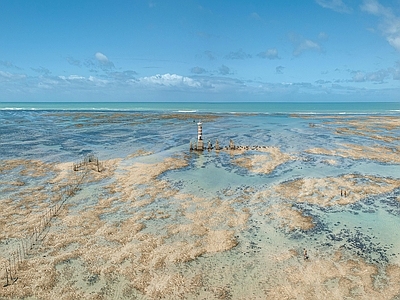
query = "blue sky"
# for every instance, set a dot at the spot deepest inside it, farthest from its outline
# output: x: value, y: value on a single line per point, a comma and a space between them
x: 160, y: 50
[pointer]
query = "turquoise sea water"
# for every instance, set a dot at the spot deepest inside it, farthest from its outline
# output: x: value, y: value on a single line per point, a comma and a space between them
x: 223, y: 107
x: 60, y: 132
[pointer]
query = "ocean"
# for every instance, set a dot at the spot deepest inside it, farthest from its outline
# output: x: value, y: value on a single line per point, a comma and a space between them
x: 218, y: 107
x: 305, y: 205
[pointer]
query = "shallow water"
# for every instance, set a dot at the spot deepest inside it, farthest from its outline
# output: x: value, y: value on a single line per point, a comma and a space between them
x: 365, y: 230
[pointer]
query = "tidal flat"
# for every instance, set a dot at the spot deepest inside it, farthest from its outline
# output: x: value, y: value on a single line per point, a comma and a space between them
x: 154, y: 220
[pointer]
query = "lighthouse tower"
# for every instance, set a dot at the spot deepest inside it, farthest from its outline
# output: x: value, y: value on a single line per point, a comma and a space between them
x: 200, y: 144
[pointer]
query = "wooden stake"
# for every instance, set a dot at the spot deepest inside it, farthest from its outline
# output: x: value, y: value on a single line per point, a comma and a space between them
x: 13, y: 255
x: 9, y: 262
x: 7, y: 283
x: 20, y: 254
x: 18, y: 257
x: 23, y: 250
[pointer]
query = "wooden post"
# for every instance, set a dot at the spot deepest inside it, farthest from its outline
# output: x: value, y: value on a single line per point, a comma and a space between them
x: 23, y: 249
x: 7, y: 283
x: 27, y: 246
x: 9, y: 262
x: 20, y: 254
x: 15, y: 266
x: 13, y: 255
x: 18, y: 257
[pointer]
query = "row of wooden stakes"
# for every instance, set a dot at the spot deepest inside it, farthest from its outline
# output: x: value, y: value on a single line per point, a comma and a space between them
x: 24, y: 246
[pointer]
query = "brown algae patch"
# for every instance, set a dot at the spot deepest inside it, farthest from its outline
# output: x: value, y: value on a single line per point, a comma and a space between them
x: 375, y: 127
x: 378, y: 128
x: 212, y: 223
x: 22, y: 207
x: 85, y: 250
x: 144, y: 175
x: 329, y: 191
x: 376, y: 153
x: 265, y: 163
x: 334, y: 277
x: 30, y: 168
x: 142, y: 236
x: 288, y: 217
x: 140, y: 152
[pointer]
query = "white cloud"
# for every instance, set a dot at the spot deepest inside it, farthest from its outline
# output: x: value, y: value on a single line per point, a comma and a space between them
x: 101, y: 58
x: 97, y: 81
x: 379, y: 76
x: 255, y: 16
x: 77, y: 79
x: 390, y: 23
x: 72, y: 78
x: 240, y: 54
x: 359, y: 77
x: 105, y: 63
x: 122, y: 76
x: 394, y: 42
x: 170, y: 80
x: 5, y: 74
x: 336, y: 5
x: 323, y: 36
x: 396, y: 71
x: 375, y: 8
x: 270, y: 54
x: 302, y: 44
x: 306, y: 45
x: 11, y: 76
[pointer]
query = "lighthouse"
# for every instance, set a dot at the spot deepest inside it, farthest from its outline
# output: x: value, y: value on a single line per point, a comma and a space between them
x: 200, y: 144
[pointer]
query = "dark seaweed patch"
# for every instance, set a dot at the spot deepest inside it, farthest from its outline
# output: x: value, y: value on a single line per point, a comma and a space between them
x: 361, y: 244
x: 392, y: 205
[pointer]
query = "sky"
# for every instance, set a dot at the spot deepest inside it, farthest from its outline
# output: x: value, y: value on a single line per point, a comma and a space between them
x: 192, y: 50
